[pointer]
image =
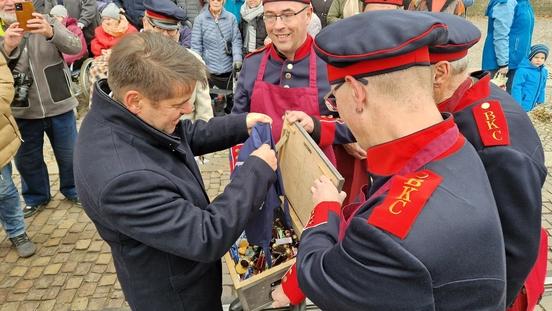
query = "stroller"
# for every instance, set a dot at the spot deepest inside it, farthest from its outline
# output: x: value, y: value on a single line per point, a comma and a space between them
x: 223, y: 98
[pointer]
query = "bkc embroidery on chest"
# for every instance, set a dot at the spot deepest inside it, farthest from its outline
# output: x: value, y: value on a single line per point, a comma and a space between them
x: 491, y: 124
x: 405, y: 200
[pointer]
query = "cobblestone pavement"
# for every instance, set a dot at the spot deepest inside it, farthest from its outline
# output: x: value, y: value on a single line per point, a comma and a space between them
x: 73, y: 268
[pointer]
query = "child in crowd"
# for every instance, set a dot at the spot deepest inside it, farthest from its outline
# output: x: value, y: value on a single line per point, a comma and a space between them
x: 59, y: 12
x: 114, y: 26
x: 529, y: 84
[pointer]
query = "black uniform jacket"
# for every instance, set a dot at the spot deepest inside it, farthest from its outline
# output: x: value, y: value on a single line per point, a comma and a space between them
x: 144, y: 192
x: 513, y: 157
x: 432, y: 242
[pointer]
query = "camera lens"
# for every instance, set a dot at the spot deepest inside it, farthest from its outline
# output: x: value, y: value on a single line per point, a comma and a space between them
x: 18, y: 6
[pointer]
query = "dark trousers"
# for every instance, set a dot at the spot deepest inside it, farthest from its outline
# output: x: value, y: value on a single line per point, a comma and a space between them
x: 29, y: 160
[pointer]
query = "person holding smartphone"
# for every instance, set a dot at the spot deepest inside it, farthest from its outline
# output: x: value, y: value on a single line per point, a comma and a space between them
x: 43, y: 102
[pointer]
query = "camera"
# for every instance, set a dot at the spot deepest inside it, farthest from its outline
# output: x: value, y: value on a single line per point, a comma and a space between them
x: 228, y: 48
x: 22, y: 84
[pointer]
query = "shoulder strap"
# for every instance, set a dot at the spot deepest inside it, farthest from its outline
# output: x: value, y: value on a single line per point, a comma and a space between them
x: 13, y: 62
x: 221, y: 34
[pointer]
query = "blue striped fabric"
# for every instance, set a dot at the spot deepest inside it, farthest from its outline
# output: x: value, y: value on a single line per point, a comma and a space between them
x: 208, y: 42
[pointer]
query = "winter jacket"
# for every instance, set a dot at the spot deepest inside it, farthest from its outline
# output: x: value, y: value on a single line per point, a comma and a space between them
x: 185, y: 39
x: 104, y: 41
x: 40, y: 60
x: 336, y: 10
x: 71, y: 25
x: 234, y: 6
x: 10, y: 139
x: 260, y: 32
x: 192, y: 7
x: 529, y: 85
x: 144, y: 192
x: 208, y: 42
x: 509, y: 33
x: 321, y: 8
x: 85, y: 11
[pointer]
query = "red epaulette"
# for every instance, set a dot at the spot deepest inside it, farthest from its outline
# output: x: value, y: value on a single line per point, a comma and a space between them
x: 257, y: 51
x: 491, y: 123
x: 405, y: 200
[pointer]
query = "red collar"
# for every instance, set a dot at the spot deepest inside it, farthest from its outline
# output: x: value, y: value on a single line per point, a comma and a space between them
x: 302, y: 52
x: 466, y: 94
x: 389, y: 158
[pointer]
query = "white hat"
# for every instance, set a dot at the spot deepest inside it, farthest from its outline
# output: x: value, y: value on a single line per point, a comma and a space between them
x: 58, y: 10
x: 112, y: 11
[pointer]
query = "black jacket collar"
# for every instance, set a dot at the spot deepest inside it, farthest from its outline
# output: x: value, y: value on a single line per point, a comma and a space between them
x: 122, y: 119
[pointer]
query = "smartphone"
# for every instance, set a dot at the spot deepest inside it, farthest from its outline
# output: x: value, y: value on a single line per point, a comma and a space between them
x: 24, y: 12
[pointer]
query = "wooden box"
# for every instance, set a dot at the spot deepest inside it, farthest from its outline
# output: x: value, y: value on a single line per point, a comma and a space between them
x: 301, y: 162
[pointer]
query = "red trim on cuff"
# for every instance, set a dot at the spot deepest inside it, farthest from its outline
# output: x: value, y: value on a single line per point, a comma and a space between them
x: 321, y: 213
x: 327, y: 131
x: 290, y: 285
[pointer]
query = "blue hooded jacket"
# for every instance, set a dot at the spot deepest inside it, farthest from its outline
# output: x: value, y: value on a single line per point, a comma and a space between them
x: 529, y: 85
x: 509, y: 33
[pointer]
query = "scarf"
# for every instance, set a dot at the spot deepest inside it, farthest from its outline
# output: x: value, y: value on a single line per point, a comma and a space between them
x: 249, y: 14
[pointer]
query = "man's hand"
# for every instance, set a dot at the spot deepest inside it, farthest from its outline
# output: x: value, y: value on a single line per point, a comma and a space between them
x: 266, y: 154
x: 279, y: 297
x: 324, y: 191
x: 12, y: 37
x: 39, y: 25
x: 304, y: 120
x: 237, y: 66
x: 503, y: 70
x: 354, y: 150
x: 253, y: 118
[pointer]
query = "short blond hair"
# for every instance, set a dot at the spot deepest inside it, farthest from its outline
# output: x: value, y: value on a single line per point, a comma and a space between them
x: 153, y: 65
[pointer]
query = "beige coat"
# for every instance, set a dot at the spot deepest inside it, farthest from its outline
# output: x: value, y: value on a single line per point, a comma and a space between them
x: 10, y: 139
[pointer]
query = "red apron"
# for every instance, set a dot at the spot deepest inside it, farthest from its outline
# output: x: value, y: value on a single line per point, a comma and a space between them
x: 533, y: 288
x: 435, y: 148
x: 274, y: 100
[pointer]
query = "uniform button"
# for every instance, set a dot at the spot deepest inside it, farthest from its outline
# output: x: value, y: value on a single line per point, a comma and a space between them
x: 485, y: 105
x: 289, y: 66
x: 287, y: 75
x: 286, y: 86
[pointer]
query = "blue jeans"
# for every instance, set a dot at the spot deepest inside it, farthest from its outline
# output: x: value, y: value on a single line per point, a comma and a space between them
x: 11, y: 214
x: 35, y: 182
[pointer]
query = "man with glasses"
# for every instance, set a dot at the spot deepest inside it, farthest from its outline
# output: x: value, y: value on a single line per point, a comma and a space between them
x: 428, y: 236
x: 287, y: 78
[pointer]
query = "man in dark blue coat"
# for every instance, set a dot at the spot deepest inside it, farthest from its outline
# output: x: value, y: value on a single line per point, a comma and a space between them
x: 508, y: 145
x: 428, y: 237
x: 140, y: 184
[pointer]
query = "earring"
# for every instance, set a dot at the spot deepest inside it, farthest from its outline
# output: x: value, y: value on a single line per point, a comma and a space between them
x: 359, y: 110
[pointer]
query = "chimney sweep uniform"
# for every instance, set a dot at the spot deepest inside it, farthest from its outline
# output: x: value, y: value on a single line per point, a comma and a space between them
x: 512, y: 154
x: 428, y: 237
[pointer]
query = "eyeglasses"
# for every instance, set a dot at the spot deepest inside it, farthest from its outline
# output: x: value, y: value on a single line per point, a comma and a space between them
x: 157, y: 29
x: 285, y: 17
x: 329, y: 99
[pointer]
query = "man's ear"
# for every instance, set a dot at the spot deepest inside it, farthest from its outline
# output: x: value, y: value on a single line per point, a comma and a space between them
x: 441, y: 73
x: 358, y: 93
x: 133, y: 101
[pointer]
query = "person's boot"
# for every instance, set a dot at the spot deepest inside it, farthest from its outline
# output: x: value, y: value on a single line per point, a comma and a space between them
x: 24, y: 246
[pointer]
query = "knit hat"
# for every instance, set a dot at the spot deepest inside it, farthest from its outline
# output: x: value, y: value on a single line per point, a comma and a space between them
x: 58, y: 10
x: 539, y: 48
x: 112, y: 11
